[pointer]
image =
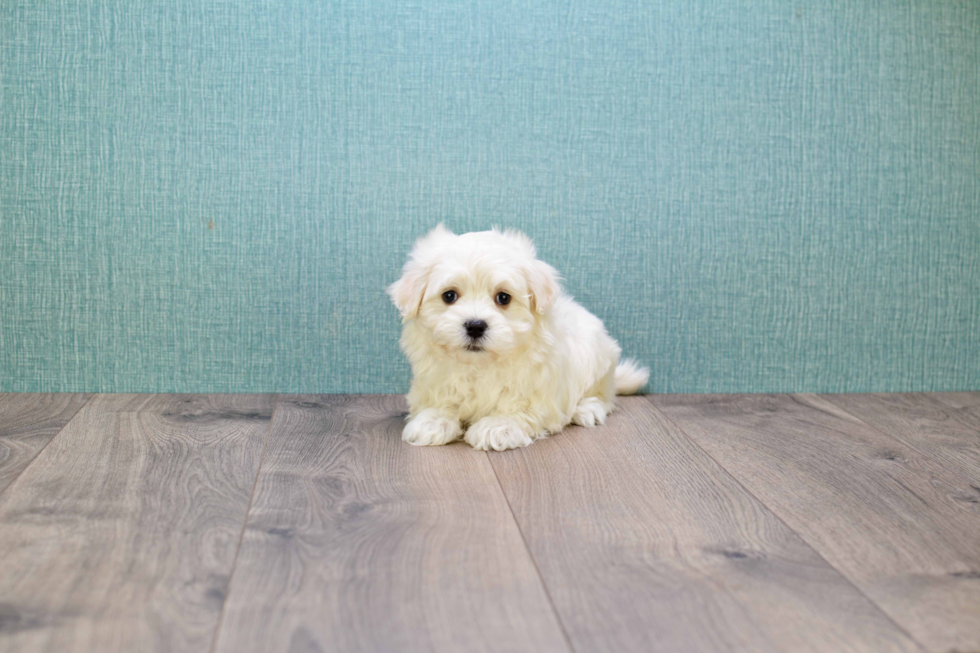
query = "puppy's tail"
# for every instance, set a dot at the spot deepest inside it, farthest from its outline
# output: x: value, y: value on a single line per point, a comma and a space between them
x: 630, y: 377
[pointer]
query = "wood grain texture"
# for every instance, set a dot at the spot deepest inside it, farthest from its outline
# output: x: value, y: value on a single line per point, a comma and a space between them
x: 970, y: 400
x: 949, y: 435
x: 894, y: 521
x: 646, y: 544
x: 121, y: 535
x: 27, y: 423
x: 359, y: 542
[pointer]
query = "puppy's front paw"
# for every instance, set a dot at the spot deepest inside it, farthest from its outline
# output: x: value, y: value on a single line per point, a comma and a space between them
x: 497, y: 433
x: 589, y: 412
x: 430, y: 428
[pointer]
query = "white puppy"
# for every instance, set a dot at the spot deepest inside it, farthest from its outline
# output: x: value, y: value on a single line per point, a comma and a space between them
x: 500, y: 356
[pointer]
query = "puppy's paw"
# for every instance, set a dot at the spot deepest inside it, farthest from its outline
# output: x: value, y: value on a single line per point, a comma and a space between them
x: 590, y: 411
x: 431, y: 428
x: 497, y: 433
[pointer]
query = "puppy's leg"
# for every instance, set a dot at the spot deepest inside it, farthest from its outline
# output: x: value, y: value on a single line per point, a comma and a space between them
x: 598, y: 401
x: 590, y: 411
x: 432, y: 427
x: 499, y: 432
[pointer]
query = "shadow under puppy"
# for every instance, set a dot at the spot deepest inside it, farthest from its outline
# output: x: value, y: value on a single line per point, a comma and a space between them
x: 500, y: 355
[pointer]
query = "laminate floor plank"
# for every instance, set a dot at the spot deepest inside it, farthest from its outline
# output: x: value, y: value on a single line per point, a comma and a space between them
x: 969, y: 400
x: 121, y: 535
x: 891, y: 519
x: 357, y: 541
x: 949, y: 435
x: 28, y: 421
x: 646, y: 544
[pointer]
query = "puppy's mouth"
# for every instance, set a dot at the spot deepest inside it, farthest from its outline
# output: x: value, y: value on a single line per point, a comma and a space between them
x: 473, y: 347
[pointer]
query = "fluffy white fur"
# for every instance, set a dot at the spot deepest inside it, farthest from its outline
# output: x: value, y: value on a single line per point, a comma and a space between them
x: 543, y: 361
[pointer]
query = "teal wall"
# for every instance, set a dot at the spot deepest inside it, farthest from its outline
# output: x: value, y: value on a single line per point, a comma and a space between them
x: 755, y: 196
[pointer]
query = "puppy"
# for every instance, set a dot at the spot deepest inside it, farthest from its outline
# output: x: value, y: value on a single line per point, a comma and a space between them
x: 500, y: 356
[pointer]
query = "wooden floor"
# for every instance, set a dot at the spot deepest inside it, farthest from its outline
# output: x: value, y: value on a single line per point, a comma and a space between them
x: 238, y: 523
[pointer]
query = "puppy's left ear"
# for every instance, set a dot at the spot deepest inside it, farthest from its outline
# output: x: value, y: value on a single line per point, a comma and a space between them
x: 542, y: 281
x: 408, y: 291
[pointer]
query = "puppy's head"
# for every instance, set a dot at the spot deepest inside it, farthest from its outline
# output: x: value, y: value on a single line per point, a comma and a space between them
x: 475, y: 294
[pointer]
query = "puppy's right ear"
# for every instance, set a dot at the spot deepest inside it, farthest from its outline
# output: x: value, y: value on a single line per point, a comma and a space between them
x: 408, y: 291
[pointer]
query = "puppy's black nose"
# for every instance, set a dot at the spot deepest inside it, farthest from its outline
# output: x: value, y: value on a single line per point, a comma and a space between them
x: 475, y: 328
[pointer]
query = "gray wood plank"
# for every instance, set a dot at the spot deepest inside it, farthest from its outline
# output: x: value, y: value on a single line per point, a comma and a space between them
x: 888, y: 517
x: 968, y: 400
x: 357, y: 541
x: 121, y: 535
x: 28, y: 421
x: 949, y: 435
x: 646, y: 544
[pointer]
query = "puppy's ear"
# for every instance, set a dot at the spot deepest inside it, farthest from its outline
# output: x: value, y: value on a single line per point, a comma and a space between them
x: 408, y: 291
x: 542, y: 281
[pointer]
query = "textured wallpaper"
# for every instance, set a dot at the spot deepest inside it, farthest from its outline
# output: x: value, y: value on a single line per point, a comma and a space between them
x: 755, y: 196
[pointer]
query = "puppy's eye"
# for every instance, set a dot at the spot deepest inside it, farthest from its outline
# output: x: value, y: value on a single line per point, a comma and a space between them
x: 449, y: 296
x: 503, y: 298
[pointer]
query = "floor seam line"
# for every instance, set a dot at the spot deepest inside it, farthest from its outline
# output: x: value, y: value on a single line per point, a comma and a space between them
x: 530, y: 555
x: 241, y: 536
x: 888, y: 435
x: 775, y: 514
x: 14, y: 480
